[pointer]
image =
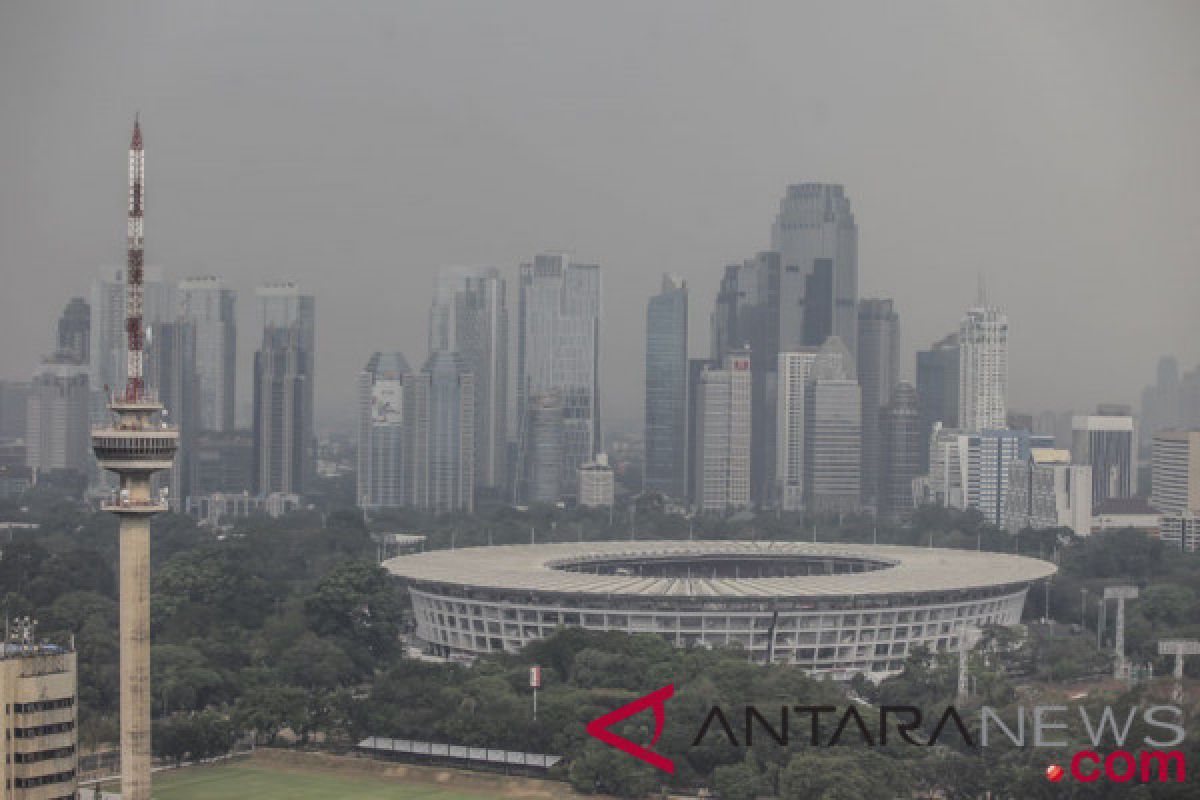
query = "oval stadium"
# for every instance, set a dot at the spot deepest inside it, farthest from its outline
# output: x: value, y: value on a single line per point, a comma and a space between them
x: 836, y: 609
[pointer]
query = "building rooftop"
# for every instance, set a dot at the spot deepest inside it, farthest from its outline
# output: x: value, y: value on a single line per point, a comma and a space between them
x: 1124, y: 505
x: 711, y: 569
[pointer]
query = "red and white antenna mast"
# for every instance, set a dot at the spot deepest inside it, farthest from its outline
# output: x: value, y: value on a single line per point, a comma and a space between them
x: 135, y: 384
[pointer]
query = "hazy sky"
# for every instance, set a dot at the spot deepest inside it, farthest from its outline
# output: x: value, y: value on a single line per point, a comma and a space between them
x: 356, y: 147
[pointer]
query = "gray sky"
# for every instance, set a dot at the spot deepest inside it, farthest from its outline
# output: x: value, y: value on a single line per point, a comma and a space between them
x: 356, y: 147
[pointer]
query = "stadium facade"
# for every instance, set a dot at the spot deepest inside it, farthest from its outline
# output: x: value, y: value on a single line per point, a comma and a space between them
x: 836, y: 609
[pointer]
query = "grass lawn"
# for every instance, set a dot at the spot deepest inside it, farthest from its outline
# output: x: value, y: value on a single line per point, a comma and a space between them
x: 239, y: 781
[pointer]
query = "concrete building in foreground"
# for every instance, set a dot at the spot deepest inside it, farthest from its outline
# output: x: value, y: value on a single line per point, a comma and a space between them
x: 38, y: 713
x: 839, y: 610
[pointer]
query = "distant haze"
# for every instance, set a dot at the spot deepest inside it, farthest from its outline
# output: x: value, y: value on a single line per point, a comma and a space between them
x: 354, y: 147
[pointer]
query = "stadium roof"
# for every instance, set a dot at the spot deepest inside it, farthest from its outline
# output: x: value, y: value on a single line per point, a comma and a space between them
x: 538, y: 569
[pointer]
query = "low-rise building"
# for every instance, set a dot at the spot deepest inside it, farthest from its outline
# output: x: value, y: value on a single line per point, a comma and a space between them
x: 596, y: 483
x: 1117, y: 513
x: 38, y: 711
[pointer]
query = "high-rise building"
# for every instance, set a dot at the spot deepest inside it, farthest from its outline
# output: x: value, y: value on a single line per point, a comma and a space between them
x: 793, y: 372
x: 1045, y: 490
x: 75, y: 331
x: 983, y: 369
x: 1173, y: 401
x: 481, y: 340
x: 901, y: 444
x: 171, y: 373
x: 937, y: 389
x: 721, y: 470
x: 1106, y: 441
x: 108, y: 320
x: 558, y: 350
x: 833, y: 434
x: 56, y: 418
x: 1180, y: 531
x: 746, y: 319
x: 283, y: 391
x: 39, y: 705
x: 817, y: 240
x: 878, y: 373
x: 440, y: 424
x: 14, y: 402
x: 596, y: 485
x: 1175, y: 471
x: 212, y: 311
x: 382, y: 474
x: 665, y: 469
x: 543, y: 444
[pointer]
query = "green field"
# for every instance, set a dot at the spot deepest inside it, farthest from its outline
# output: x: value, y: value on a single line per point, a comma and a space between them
x: 237, y: 782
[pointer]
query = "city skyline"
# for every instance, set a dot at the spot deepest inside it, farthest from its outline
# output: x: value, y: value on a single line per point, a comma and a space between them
x: 685, y: 220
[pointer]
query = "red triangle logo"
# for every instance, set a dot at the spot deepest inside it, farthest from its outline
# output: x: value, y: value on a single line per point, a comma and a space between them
x: 656, y: 700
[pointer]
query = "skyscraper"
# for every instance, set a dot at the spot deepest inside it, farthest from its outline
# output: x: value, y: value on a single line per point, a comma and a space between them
x: 666, y: 389
x: 937, y: 389
x: 558, y: 350
x: 817, y: 239
x: 381, y: 473
x: 1106, y: 441
x: 832, y: 432
x: 983, y: 369
x: 901, y: 444
x: 171, y: 373
x: 543, y: 444
x: 794, y: 369
x: 75, y: 331
x: 721, y: 471
x: 56, y: 418
x: 212, y: 311
x: 878, y: 373
x: 746, y: 319
x: 481, y: 340
x: 283, y: 391
x: 108, y: 320
x: 440, y: 423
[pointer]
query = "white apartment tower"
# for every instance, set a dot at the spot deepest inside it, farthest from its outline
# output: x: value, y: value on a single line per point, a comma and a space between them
x: 983, y: 369
x: 721, y: 472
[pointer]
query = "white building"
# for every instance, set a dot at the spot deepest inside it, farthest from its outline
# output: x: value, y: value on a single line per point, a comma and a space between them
x: 597, y: 487
x: 1175, y: 471
x: 794, y: 369
x: 1181, y: 531
x: 721, y: 472
x: 1046, y: 490
x: 983, y: 369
